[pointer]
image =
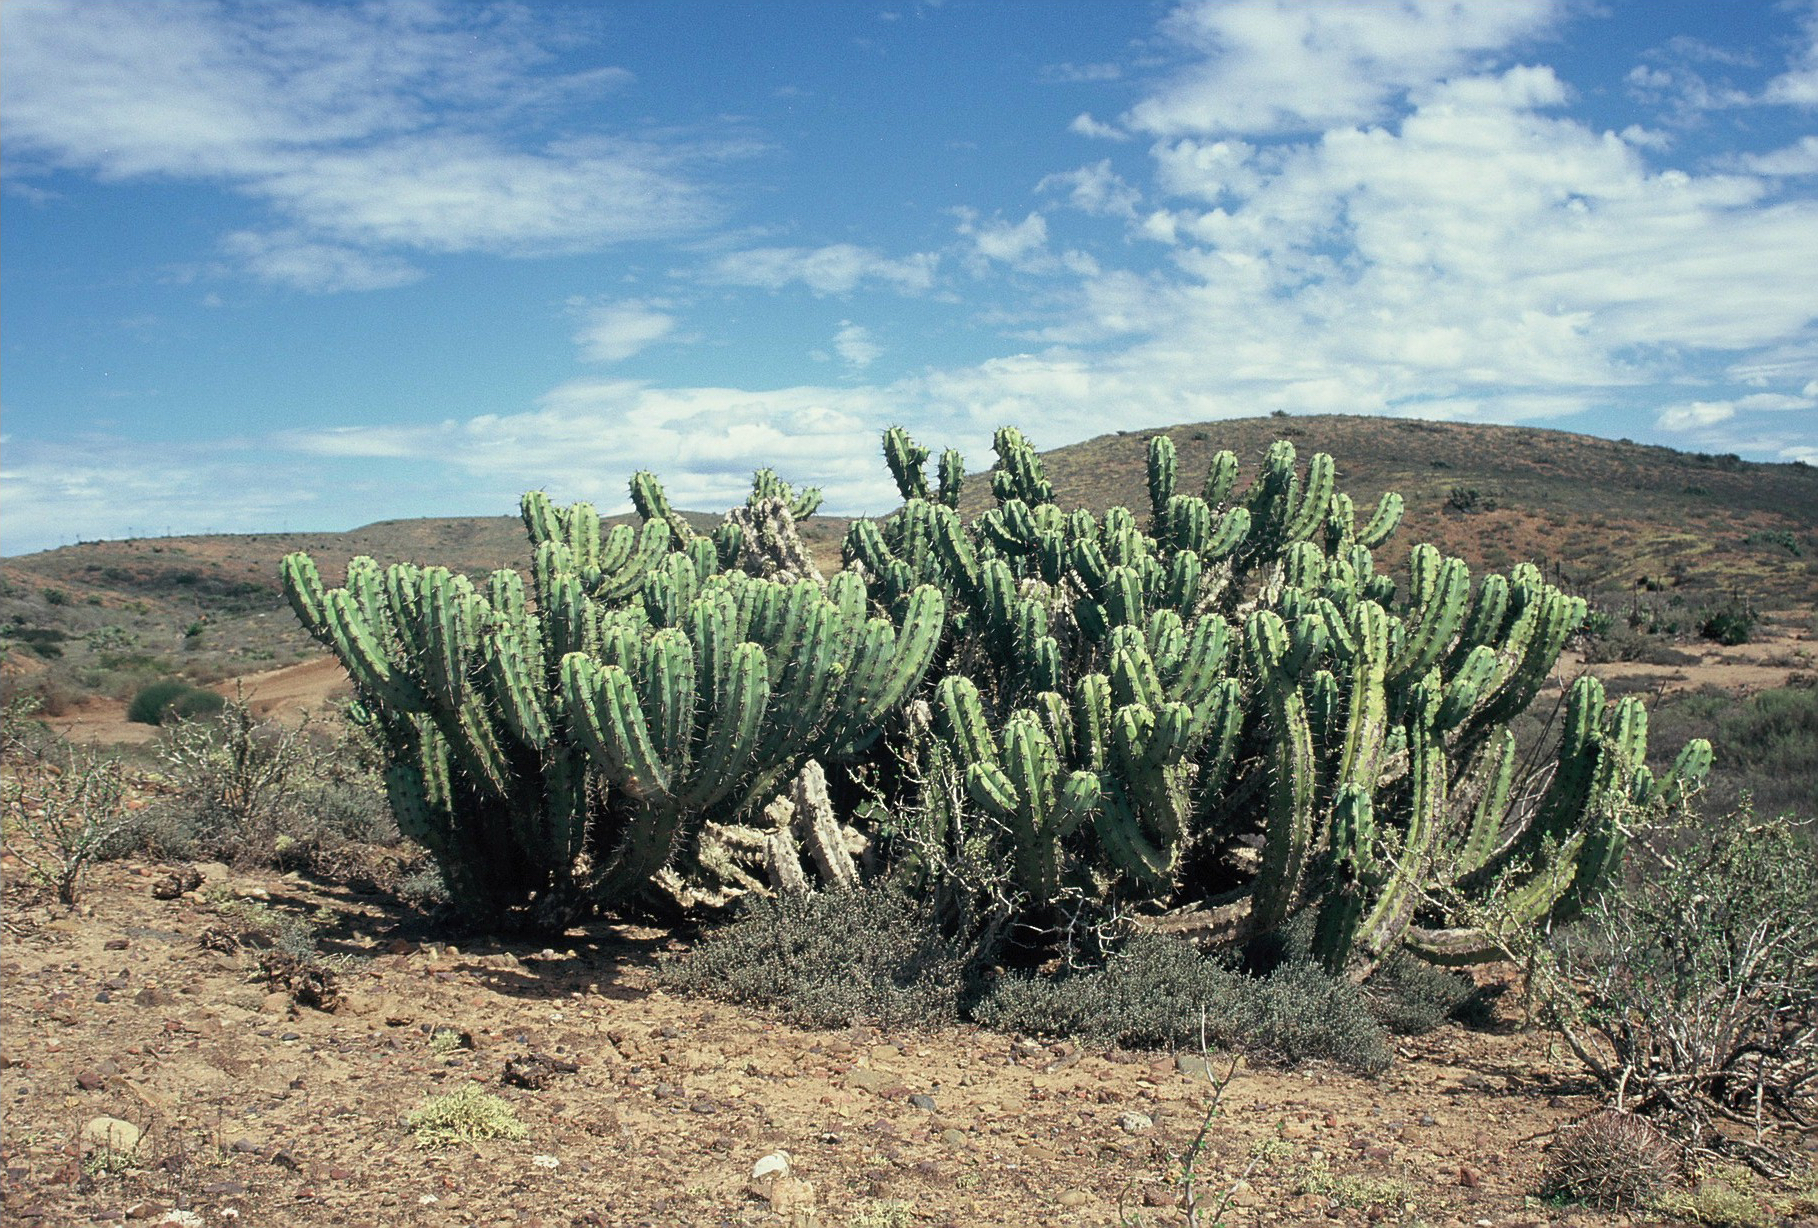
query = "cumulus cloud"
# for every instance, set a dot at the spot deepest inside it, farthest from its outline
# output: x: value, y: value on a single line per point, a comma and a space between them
x: 1012, y: 243
x: 1084, y: 125
x: 1277, y: 66
x: 613, y: 332
x: 1095, y: 189
x: 839, y: 268
x: 854, y: 344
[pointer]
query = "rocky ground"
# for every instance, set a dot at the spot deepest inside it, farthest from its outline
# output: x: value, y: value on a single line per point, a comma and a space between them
x: 231, y: 1103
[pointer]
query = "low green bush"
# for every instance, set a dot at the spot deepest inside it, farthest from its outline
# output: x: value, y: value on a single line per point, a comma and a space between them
x: 1157, y: 990
x: 155, y: 703
x: 1411, y: 997
x: 832, y: 959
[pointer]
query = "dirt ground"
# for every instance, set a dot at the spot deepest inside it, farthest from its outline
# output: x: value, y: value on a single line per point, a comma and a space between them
x: 254, y: 1110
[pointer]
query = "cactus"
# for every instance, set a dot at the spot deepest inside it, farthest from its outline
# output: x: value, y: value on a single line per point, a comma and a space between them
x: 1226, y: 709
x: 562, y: 750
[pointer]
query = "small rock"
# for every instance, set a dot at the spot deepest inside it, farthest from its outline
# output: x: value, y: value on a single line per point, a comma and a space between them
x: 1469, y: 1177
x: 115, y: 944
x: 243, y: 1146
x: 789, y: 1195
x: 534, y: 1070
x: 1073, y: 1199
x: 955, y: 1138
x: 1194, y: 1066
x: 111, y: 1134
x: 286, y: 1160
x: 922, y: 1102
x: 876, y: 1081
x: 89, y: 1080
x: 1159, y: 1196
x: 275, y: 1004
x: 772, y: 1166
x: 1132, y: 1122
x: 176, y: 884
x: 1427, y: 1119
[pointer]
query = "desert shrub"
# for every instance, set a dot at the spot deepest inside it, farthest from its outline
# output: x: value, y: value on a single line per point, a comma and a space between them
x: 831, y: 958
x: 1411, y: 997
x: 465, y: 1115
x: 259, y: 791
x: 170, y: 699
x: 1609, y: 1160
x: 61, y: 808
x: 1729, y: 625
x: 1156, y: 991
x: 1765, y: 746
x: 1694, y: 989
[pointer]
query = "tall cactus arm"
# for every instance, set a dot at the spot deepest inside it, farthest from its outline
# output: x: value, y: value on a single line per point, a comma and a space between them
x: 1382, y: 523
x: 732, y: 733
x: 1310, y: 512
x: 952, y: 477
x: 303, y: 588
x: 365, y: 658
x: 1161, y: 481
x: 906, y: 459
x: 652, y: 503
x: 603, y: 702
x: 1221, y: 478
x: 1293, y: 774
x: 1439, y: 614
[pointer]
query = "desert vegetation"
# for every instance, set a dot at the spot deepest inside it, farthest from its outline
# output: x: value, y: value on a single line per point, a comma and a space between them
x: 1209, y: 775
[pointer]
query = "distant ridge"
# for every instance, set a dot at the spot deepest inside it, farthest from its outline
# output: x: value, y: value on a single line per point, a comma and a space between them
x: 1601, y: 515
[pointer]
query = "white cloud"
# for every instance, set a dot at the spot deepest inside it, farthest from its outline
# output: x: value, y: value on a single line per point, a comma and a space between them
x: 1095, y: 189
x: 288, y: 258
x: 1075, y: 74
x: 1084, y: 125
x: 1012, y: 243
x: 1271, y: 66
x: 854, y: 345
x: 1694, y: 415
x: 1799, y: 158
x: 385, y: 127
x: 613, y: 332
x: 839, y: 268
x: 1798, y: 86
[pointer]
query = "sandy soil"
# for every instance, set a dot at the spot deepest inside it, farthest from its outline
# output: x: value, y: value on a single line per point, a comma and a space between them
x: 287, y: 693
x: 257, y: 1111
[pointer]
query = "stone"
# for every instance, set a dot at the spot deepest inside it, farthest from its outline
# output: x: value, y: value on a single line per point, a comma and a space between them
x: 876, y: 1081
x: 1073, y: 1199
x: 1132, y: 1122
x: 955, y: 1138
x: 922, y: 1102
x: 1195, y: 1066
x: 111, y: 1134
x: 776, y: 1164
x: 789, y: 1195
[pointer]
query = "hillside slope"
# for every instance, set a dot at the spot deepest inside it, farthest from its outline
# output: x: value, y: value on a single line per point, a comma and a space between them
x: 1603, y: 516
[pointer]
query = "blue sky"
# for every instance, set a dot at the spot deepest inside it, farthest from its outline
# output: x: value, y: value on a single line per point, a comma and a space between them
x: 282, y: 265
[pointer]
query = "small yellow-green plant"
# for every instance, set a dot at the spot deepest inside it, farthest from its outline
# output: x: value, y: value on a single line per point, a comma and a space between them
x: 465, y: 1115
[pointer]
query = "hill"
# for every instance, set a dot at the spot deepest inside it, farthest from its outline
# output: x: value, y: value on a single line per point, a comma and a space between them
x: 1605, y: 517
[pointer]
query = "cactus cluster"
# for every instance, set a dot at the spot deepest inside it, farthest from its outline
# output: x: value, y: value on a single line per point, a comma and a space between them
x: 1230, y: 716
x: 557, y: 745
x: 1220, y: 716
